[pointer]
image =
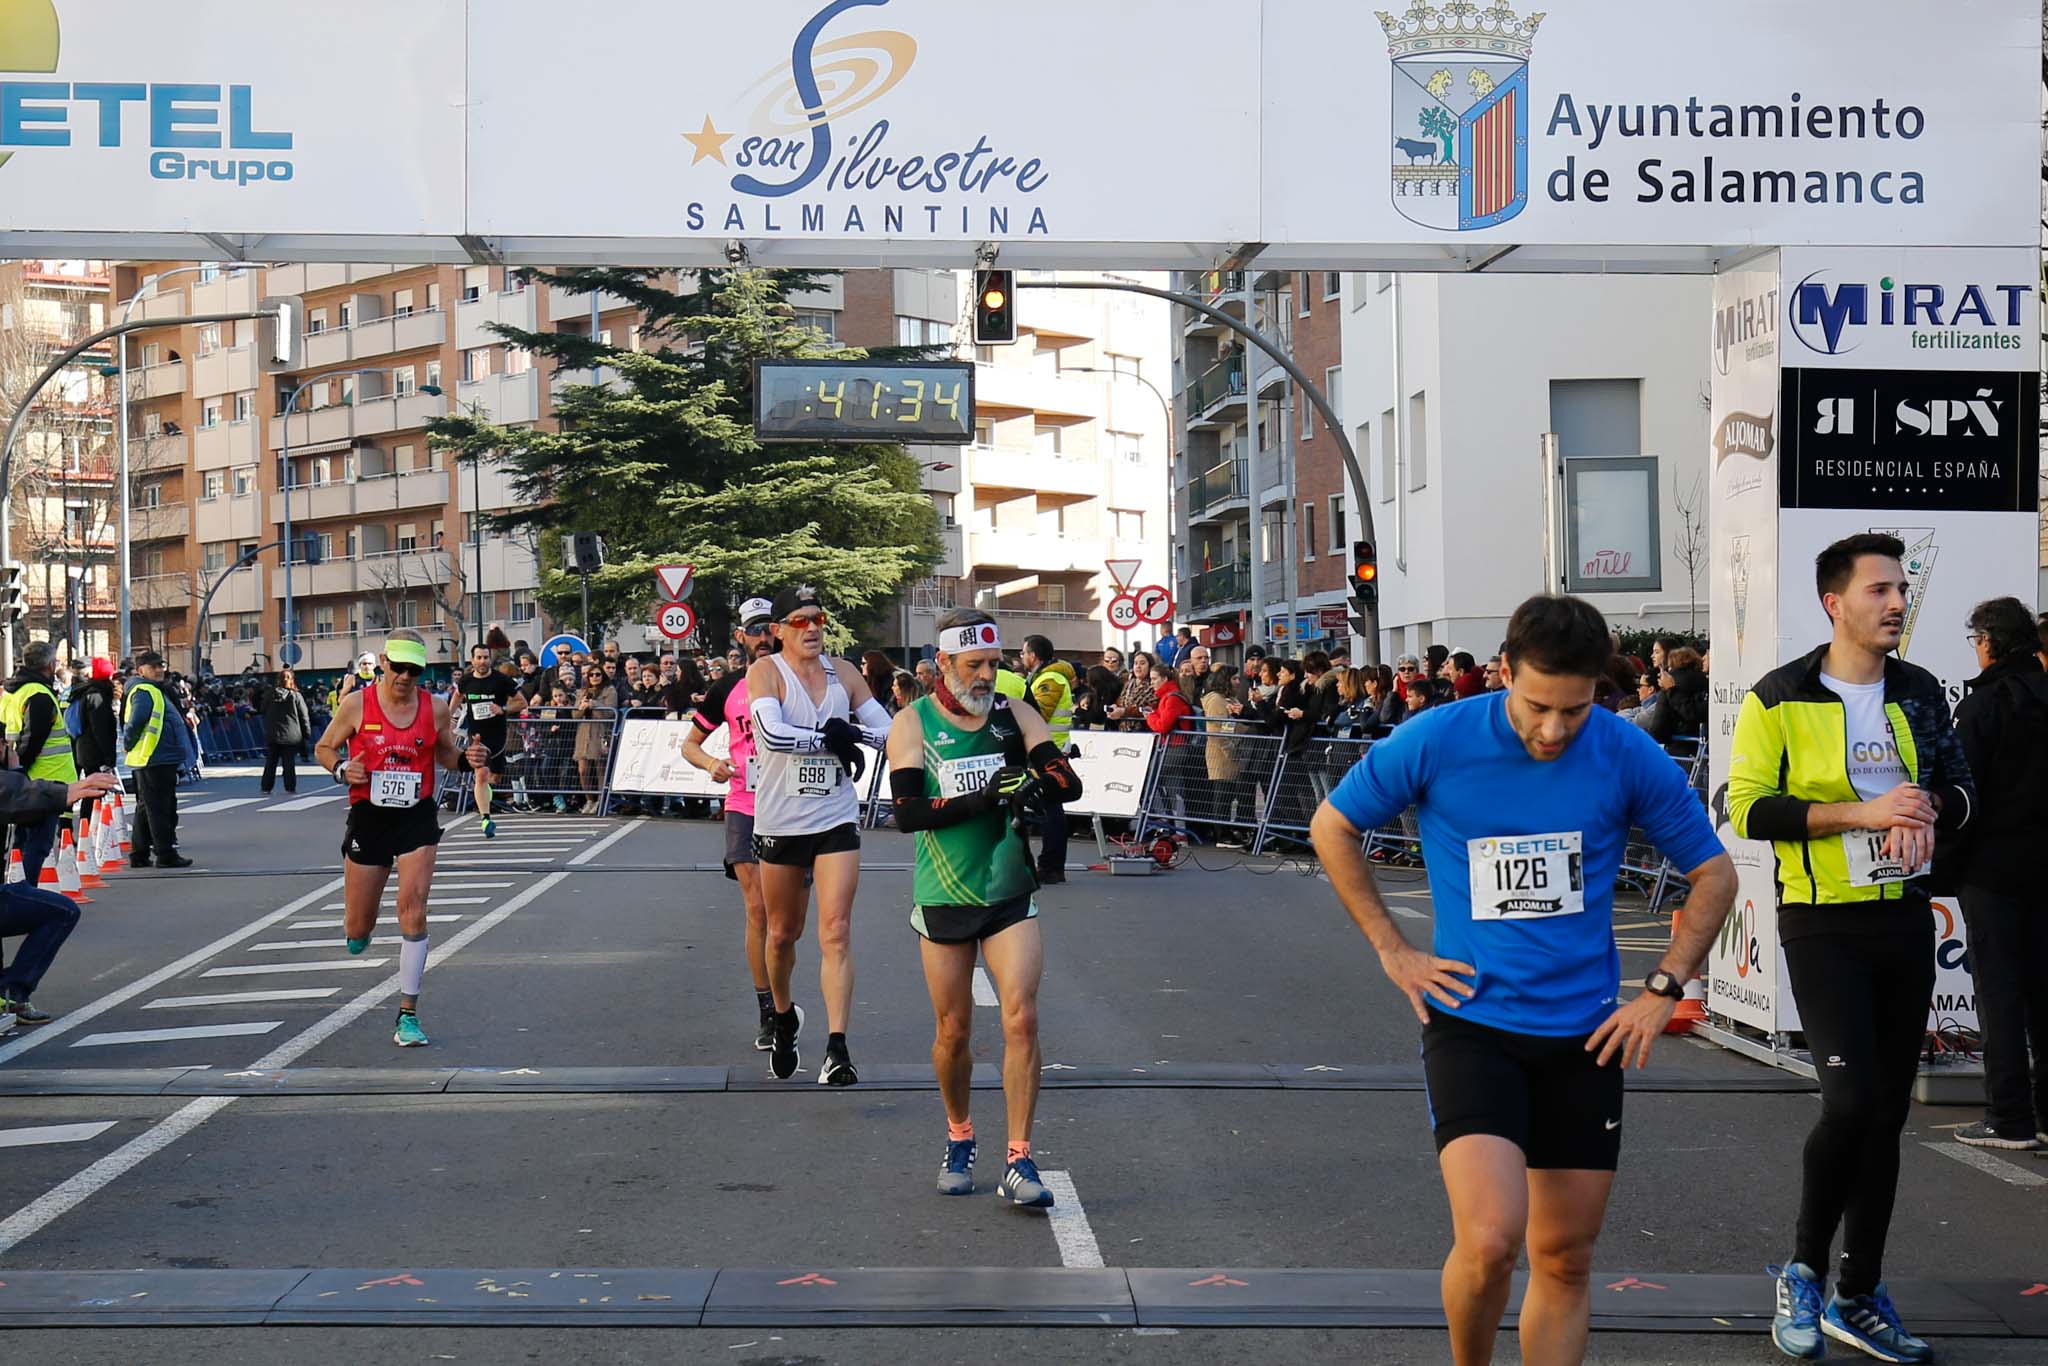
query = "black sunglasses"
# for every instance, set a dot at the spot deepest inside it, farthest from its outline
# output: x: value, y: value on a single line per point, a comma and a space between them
x: 409, y: 670
x: 756, y: 630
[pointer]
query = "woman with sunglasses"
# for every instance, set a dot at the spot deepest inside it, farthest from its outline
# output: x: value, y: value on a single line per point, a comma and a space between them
x: 384, y: 743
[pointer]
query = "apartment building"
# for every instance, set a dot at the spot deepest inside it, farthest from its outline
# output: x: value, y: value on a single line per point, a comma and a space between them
x: 62, y: 518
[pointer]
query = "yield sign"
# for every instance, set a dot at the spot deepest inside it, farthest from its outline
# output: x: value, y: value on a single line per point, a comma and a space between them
x: 1121, y: 572
x: 675, y: 581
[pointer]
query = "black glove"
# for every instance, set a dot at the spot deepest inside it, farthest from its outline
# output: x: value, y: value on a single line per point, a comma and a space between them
x: 842, y: 742
x: 1011, y: 786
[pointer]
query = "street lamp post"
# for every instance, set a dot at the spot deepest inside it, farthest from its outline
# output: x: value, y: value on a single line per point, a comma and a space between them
x: 287, y: 650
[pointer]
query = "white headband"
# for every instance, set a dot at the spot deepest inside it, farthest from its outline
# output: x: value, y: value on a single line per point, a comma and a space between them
x: 982, y: 636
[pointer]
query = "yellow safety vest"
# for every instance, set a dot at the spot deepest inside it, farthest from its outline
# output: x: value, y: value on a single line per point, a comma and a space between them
x: 1010, y: 685
x: 139, y: 755
x: 1061, y: 721
x: 53, y: 763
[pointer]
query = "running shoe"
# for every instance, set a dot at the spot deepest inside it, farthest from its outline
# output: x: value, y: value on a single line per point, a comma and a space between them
x: 490, y: 828
x: 1982, y: 1135
x: 1870, y: 1325
x: 838, y: 1068
x: 357, y: 945
x: 24, y: 1013
x: 409, y: 1034
x: 765, y: 1040
x: 782, y: 1055
x: 1022, y: 1188
x: 1795, y: 1328
x: 956, y: 1175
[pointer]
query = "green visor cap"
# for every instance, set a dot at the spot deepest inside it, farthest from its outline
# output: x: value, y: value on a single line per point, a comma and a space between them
x: 406, y: 652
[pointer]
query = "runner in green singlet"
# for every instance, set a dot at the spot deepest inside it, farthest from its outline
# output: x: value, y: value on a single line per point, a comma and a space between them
x: 960, y: 763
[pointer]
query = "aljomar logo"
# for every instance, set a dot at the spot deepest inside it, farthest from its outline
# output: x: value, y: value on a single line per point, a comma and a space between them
x: 797, y: 142
x: 180, y: 118
x: 1461, y: 112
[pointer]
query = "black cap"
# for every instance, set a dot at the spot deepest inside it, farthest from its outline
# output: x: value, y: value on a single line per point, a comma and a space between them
x: 148, y: 657
x: 1256, y: 652
x: 793, y: 600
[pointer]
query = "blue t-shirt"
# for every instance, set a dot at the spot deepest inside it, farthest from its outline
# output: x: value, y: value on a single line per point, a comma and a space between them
x: 1547, y: 838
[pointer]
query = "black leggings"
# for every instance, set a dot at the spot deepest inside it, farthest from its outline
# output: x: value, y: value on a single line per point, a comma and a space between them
x: 1863, y: 1004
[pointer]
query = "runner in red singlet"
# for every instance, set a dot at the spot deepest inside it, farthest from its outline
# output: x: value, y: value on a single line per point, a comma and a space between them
x: 726, y: 705
x: 385, y: 743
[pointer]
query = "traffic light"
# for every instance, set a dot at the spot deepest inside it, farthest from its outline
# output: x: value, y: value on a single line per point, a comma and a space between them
x: 995, y: 307
x: 1365, y: 585
x: 283, y: 338
x: 13, y: 591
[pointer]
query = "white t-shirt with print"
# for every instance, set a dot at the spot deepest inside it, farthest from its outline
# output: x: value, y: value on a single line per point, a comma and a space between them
x: 1874, y: 764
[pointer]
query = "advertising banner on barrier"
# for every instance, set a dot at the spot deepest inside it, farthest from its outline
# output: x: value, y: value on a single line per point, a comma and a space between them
x: 1112, y: 766
x: 649, y: 759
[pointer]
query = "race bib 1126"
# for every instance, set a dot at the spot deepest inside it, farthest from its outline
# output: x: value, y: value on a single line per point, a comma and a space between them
x: 1527, y: 877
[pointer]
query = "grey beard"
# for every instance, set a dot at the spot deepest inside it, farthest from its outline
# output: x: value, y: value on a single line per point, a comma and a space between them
x: 974, y: 705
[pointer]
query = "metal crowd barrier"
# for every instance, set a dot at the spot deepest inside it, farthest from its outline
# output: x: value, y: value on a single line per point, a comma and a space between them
x: 1304, y: 780
x: 232, y: 738
x: 553, y: 756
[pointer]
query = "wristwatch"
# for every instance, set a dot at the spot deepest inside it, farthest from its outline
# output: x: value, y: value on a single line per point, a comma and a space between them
x: 1662, y: 983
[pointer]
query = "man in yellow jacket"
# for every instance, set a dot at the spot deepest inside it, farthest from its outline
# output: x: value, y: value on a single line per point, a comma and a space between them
x: 1050, y: 681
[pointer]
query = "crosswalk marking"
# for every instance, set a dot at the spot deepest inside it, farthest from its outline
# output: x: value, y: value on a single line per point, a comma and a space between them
x: 53, y: 1133
x: 187, y: 1032
x: 236, y: 998
x: 436, y: 901
x: 553, y: 843
x: 307, y: 803
x: 469, y: 862
x: 259, y: 969
x: 336, y: 924
x: 984, y: 989
x: 224, y: 804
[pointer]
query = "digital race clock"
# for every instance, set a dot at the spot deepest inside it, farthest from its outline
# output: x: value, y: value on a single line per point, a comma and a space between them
x: 833, y: 400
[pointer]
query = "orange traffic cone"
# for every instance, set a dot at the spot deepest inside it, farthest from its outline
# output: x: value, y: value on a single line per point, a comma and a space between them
x: 88, y: 870
x: 67, y: 871
x: 1693, y: 1009
x: 15, y: 871
x: 121, y: 825
x: 109, y: 851
x: 48, y: 877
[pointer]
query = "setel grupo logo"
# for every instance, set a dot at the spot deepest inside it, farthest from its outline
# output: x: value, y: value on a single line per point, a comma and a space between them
x: 1833, y: 319
x: 1460, y: 159
x: 797, y: 145
x: 176, y: 119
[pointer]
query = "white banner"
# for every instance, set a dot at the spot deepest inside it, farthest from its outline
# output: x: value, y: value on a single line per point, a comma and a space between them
x: 1112, y: 766
x: 1876, y: 309
x: 649, y: 758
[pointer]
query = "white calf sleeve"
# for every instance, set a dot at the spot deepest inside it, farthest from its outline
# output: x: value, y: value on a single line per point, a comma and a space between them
x: 412, y: 964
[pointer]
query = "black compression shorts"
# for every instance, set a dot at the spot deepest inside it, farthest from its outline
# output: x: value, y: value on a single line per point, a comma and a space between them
x: 378, y: 836
x: 970, y: 924
x: 1547, y: 1096
x: 801, y: 851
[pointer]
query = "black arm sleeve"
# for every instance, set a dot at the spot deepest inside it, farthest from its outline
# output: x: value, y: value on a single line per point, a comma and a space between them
x: 1059, y: 775
x: 915, y: 811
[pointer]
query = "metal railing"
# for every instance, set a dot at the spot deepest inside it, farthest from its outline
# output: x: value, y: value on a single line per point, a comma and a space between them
x: 1225, y: 379
x: 1219, y: 484
x: 1228, y: 584
x: 1212, y: 285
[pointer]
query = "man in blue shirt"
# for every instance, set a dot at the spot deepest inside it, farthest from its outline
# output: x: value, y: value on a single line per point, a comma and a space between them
x: 1524, y: 800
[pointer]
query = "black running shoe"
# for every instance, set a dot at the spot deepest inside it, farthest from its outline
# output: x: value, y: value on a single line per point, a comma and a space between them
x: 838, y: 1068
x: 765, y: 1039
x: 782, y: 1055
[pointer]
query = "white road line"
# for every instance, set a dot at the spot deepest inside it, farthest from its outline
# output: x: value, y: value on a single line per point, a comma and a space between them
x: 1986, y: 1163
x: 436, y: 901
x: 68, y: 1195
x: 336, y: 924
x: 307, y: 803
x: 483, y: 846
x: 187, y: 1032
x: 276, y: 945
x: 984, y: 990
x: 487, y: 862
x: 224, y: 804
x: 238, y: 998
x: 53, y: 1133
x: 1405, y: 913
x: 259, y: 969
x: 71, y: 1019
x: 1069, y: 1222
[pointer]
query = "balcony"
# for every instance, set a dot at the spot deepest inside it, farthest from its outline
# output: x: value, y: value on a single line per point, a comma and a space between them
x: 306, y: 279
x: 237, y: 293
x: 415, y: 489
x: 512, y: 308
x: 508, y: 564
x: 228, y: 518
x: 376, y: 337
x: 230, y: 657
x: 371, y: 415
x: 164, y: 380
x: 1038, y: 552
x: 316, y: 580
x: 159, y: 451
x: 166, y: 521
x: 317, y: 502
x: 1214, y: 492
x: 1031, y: 389
x: 1232, y: 583
x: 505, y: 398
x: 160, y: 592
x: 1214, y: 285
x: 226, y: 444
x: 953, y: 553
x: 242, y: 591
x: 1021, y: 467
x: 396, y: 571
x: 168, y: 302
x: 568, y: 306
x: 1217, y: 390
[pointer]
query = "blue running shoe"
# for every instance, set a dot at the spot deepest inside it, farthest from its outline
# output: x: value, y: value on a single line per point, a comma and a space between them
x: 409, y: 1034
x: 490, y: 828
x: 357, y: 945
x: 1870, y: 1324
x: 1021, y: 1186
x: 1795, y: 1328
x: 956, y: 1177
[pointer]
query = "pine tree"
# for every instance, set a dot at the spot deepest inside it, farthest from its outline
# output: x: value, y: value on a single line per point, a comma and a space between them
x: 664, y: 464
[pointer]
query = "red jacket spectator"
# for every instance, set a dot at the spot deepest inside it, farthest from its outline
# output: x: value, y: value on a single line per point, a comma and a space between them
x: 1170, y: 710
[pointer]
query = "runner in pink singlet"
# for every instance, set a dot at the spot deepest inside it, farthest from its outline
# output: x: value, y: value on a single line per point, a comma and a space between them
x: 725, y: 706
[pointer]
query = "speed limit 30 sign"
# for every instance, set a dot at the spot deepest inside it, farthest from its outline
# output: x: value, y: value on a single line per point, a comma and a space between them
x: 675, y: 620
x: 1123, y: 612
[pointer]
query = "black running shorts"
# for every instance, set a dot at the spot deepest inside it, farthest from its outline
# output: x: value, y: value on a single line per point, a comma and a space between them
x: 1547, y: 1096
x: 801, y: 851
x: 739, y: 841
x: 970, y: 924
x: 378, y: 836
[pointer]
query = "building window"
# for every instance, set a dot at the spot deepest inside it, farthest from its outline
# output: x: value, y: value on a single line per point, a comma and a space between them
x: 434, y: 297
x: 316, y: 322
x: 408, y: 536
x: 1308, y: 531
x: 1052, y: 597
x: 152, y: 353
x: 323, y: 620
x: 401, y: 304
x: 404, y: 382
x: 1336, y: 523
x: 1301, y: 294
x: 209, y: 413
x: 1130, y: 526
x: 1048, y: 440
x: 325, y: 541
x: 434, y: 374
x: 476, y: 364
x: 245, y: 407
x: 522, y: 608
x: 213, y: 557
x: 475, y: 280
x: 823, y: 320
x: 1333, y: 284
x: 1272, y: 536
x: 519, y: 360
x: 209, y: 271
x: 376, y: 617
x: 247, y: 625
x: 1390, y: 473
x: 1308, y: 414
x: 245, y: 480
x: 150, y: 495
x: 1128, y: 447
x: 984, y: 433
x: 348, y: 315
x: 216, y: 630
x: 1418, y: 442
x: 209, y: 339
x: 408, y: 611
x: 215, y: 484
x: 1333, y: 389
x: 909, y: 331
x: 402, y: 458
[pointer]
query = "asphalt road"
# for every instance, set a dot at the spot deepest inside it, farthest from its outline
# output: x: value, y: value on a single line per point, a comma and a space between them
x: 573, y: 945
